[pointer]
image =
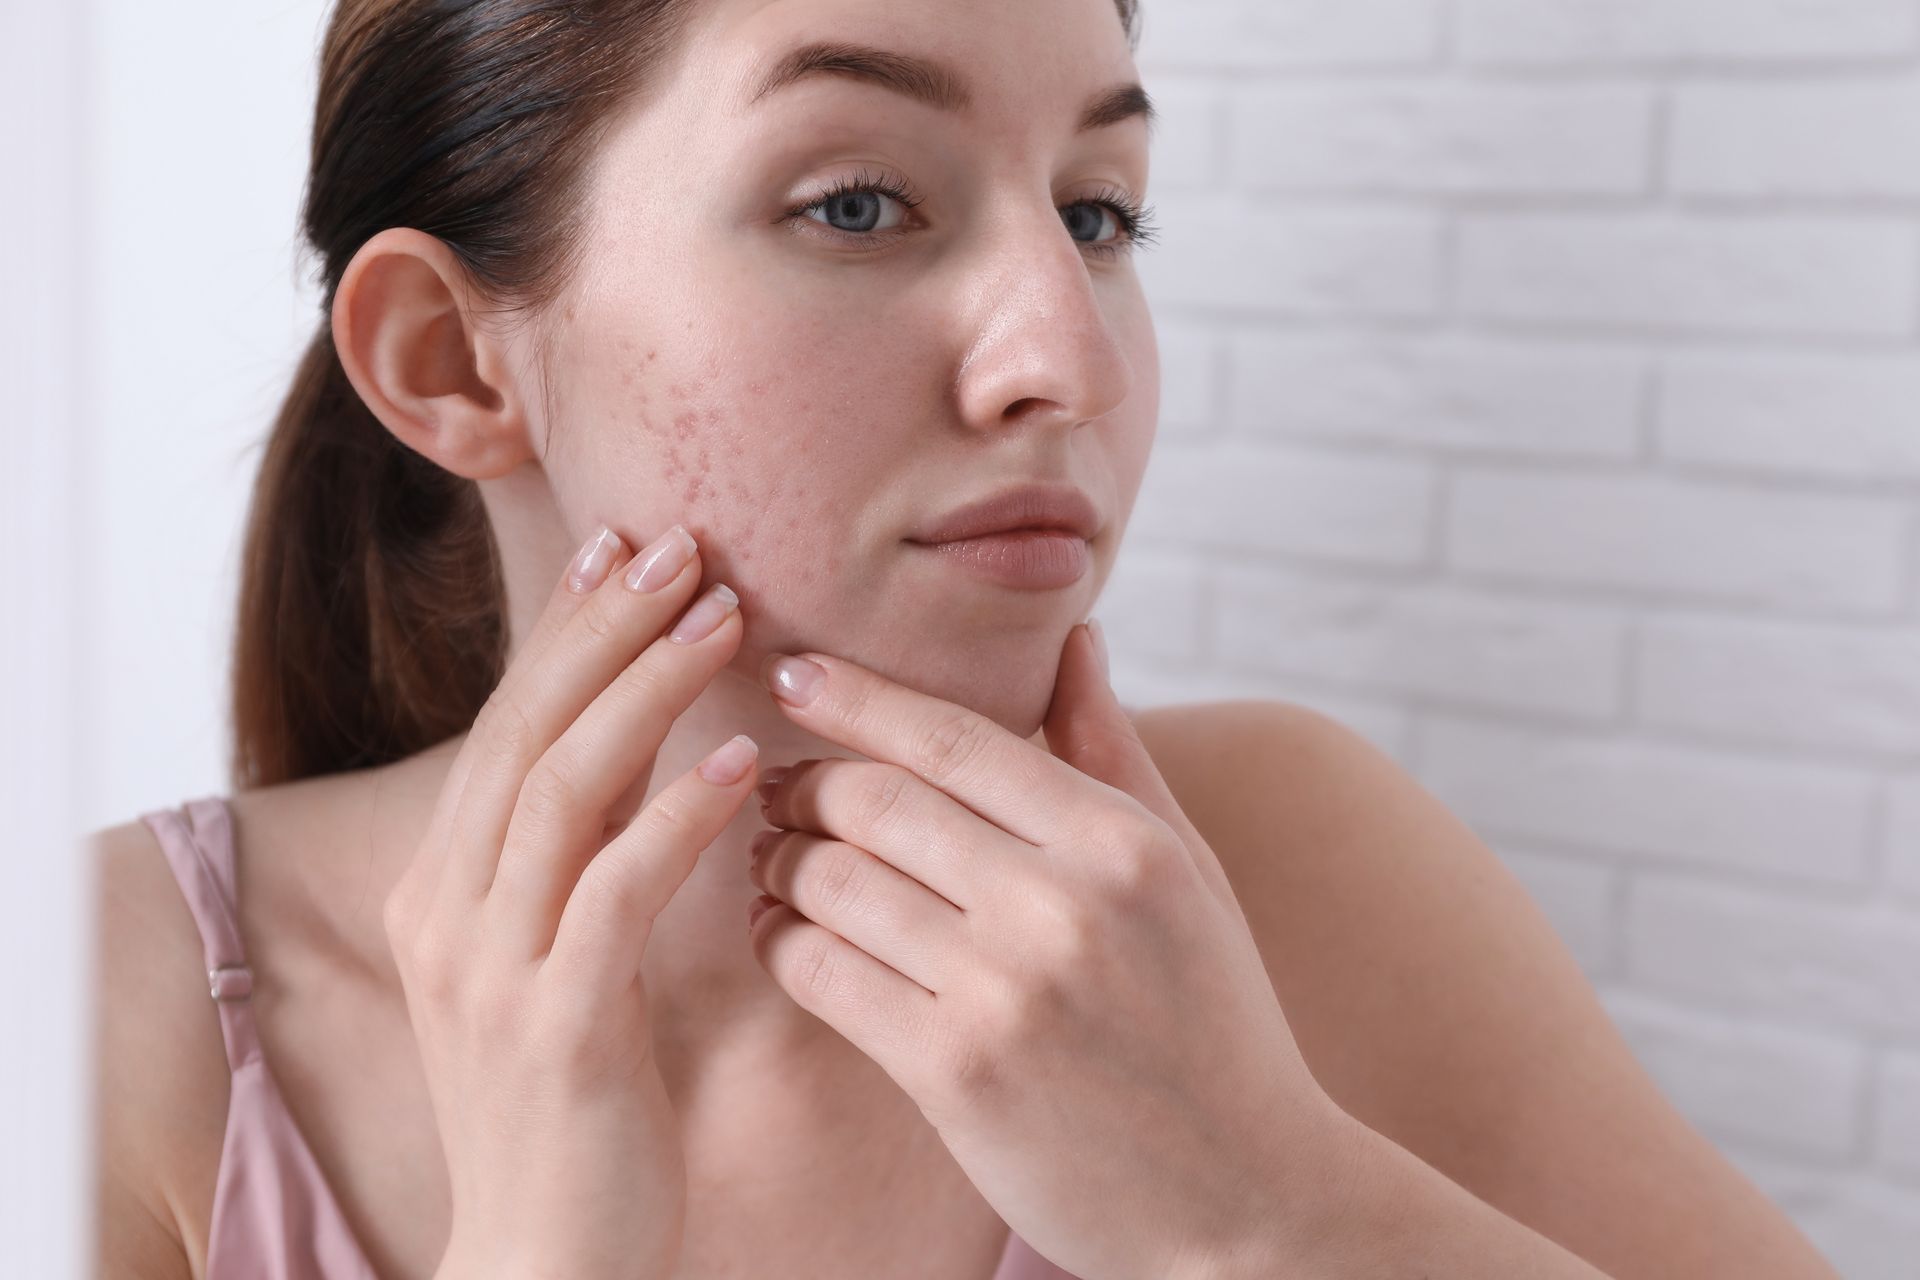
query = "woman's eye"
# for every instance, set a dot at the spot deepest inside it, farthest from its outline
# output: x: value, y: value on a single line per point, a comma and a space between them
x: 857, y: 211
x: 1091, y: 217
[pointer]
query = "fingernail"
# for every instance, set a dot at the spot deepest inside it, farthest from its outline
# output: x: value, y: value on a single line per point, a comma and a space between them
x: 730, y: 761
x: 760, y: 843
x: 656, y: 566
x: 707, y: 612
x: 591, y: 562
x: 793, y: 680
x: 761, y: 905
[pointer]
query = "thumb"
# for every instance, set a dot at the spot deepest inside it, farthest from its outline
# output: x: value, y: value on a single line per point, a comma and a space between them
x: 1088, y: 728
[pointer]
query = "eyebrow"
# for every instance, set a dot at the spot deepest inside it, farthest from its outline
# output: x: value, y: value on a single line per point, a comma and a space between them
x: 925, y: 80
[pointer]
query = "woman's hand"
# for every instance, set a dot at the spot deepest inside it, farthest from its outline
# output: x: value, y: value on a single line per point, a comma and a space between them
x: 1043, y: 953
x: 519, y: 926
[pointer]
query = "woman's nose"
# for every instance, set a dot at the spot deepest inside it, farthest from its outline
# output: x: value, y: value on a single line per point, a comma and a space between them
x: 1043, y: 346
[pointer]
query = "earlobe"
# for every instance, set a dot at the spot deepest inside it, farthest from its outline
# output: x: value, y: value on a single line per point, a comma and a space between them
x: 404, y: 326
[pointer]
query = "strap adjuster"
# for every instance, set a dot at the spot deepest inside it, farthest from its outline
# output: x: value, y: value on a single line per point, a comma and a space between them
x: 231, y: 982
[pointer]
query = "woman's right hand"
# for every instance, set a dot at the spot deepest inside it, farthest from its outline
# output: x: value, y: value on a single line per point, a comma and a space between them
x: 519, y: 927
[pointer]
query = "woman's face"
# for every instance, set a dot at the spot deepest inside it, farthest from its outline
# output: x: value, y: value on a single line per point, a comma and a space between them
x: 805, y: 382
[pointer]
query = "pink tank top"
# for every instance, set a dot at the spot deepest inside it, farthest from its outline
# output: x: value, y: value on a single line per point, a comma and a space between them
x: 274, y: 1215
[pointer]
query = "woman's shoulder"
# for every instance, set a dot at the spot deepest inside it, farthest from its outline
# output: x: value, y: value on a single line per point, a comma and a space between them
x: 159, y: 1073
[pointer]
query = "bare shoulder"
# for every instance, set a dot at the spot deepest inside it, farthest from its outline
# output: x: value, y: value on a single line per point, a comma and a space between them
x: 1434, y: 1002
x: 159, y: 1085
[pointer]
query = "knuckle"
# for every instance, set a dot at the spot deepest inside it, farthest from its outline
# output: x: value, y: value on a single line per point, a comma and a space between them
x: 1130, y: 864
x: 551, y: 791
x: 641, y: 684
x: 950, y: 746
x: 507, y: 724
x: 882, y: 805
x: 1064, y: 936
x: 599, y: 620
x: 971, y: 1068
x: 672, y: 812
x: 605, y: 895
x: 816, y: 968
x: 842, y: 877
x: 424, y: 958
x: 975, y: 1052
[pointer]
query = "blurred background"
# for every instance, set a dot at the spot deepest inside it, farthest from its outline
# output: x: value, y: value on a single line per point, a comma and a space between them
x: 1542, y: 400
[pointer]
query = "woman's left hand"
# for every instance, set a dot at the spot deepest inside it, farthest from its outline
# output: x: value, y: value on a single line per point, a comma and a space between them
x: 1042, y: 952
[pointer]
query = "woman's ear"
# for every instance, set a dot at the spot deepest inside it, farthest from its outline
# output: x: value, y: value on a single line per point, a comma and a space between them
x: 404, y: 327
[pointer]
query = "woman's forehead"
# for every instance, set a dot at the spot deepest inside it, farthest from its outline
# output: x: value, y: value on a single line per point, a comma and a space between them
x: 971, y: 58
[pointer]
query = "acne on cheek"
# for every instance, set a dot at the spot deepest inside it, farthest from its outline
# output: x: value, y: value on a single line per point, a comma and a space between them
x: 753, y: 501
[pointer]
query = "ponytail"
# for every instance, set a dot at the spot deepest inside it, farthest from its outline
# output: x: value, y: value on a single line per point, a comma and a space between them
x: 371, y: 620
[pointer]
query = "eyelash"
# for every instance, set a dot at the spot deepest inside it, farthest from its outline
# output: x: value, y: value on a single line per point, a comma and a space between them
x: 1137, y: 226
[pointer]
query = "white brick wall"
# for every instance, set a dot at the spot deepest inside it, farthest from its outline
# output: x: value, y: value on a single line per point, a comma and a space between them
x: 1541, y: 398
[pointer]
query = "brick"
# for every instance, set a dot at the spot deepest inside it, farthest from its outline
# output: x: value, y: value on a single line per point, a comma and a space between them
x: 1788, y: 140
x: 1613, y: 31
x: 1796, y: 1089
x: 1353, y: 262
x: 1843, y: 276
x: 1263, y: 35
x: 1670, y: 805
x: 1896, y: 1112
x: 1363, y: 510
x: 1577, y: 897
x: 1445, y: 137
x: 1702, y: 539
x: 1462, y: 395
x: 1849, y: 416
x: 1833, y: 965
x: 1796, y: 684
x: 1438, y: 641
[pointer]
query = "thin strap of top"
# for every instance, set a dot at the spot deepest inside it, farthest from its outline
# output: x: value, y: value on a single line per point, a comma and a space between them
x: 198, y: 840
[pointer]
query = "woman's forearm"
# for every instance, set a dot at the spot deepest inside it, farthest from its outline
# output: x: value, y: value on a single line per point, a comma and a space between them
x: 1386, y: 1214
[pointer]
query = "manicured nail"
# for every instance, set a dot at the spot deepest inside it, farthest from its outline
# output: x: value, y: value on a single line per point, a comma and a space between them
x: 730, y: 761
x: 656, y: 566
x: 591, y: 562
x: 707, y: 613
x: 793, y: 680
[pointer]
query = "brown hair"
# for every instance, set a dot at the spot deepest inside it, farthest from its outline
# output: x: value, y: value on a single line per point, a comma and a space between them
x: 371, y: 621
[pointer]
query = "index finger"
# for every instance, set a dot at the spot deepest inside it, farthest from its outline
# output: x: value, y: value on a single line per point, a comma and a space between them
x: 1007, y: 780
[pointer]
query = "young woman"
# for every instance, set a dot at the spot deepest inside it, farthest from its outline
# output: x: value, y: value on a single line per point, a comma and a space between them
x: 689, y: 371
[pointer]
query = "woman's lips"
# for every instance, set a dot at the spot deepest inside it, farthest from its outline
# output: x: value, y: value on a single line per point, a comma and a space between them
x: 1034, y: 559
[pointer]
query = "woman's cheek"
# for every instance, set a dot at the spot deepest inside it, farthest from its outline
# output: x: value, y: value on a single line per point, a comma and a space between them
x: 753, y: 484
